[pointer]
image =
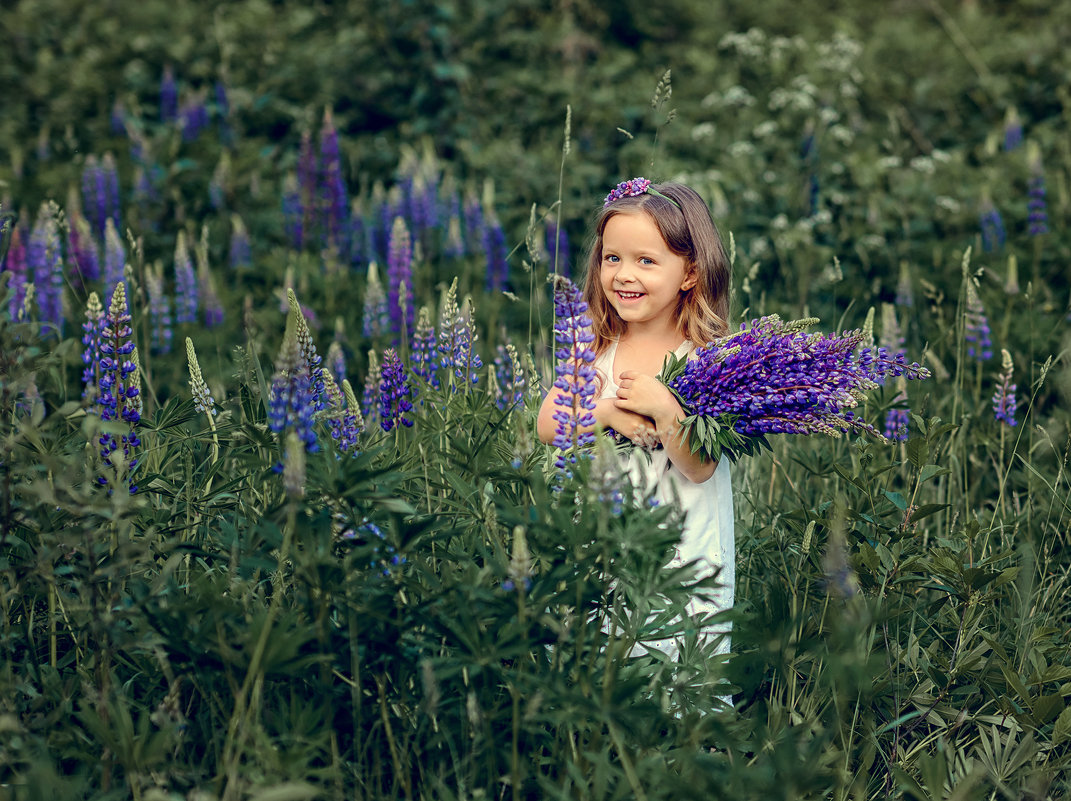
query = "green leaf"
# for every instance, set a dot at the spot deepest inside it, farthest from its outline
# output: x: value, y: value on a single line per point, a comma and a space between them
x: 918, y: 450
x: 1061, y: 731
x: 897, y: 499
x: 932, y: 471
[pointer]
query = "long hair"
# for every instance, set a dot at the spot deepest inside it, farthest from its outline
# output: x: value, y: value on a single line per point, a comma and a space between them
x: 685, y: 223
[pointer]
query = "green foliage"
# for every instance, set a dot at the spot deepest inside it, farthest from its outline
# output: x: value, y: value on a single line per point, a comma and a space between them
x: 432, y: 615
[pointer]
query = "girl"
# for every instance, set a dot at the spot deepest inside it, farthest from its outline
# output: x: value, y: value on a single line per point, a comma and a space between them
x: 658, y: 283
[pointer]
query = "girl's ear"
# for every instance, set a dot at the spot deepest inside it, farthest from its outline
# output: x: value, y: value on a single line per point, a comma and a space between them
x: 689, y: 281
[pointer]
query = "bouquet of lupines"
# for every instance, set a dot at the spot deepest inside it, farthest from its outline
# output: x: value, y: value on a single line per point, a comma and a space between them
x: 773, y: 378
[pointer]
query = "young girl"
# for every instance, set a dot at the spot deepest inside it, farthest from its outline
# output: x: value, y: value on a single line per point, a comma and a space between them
x: 658, y: 283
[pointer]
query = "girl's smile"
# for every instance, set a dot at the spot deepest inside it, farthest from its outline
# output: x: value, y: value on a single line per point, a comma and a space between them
x: 640, y: 276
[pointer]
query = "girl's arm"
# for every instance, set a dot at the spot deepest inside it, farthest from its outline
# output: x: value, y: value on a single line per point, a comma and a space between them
x: 608, y: 414
x: 646, y: 395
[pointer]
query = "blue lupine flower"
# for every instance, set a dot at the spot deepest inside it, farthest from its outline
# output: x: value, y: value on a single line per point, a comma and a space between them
x: 306, y: 178
x: 168, y: 96
x: 118, y: 397
x: 82, y: 251
x: 311, y: 362
x: 905, y: 293
x: 15, y: 264
x: 114, y: 258
x: 1013, y: 130
x: 213, y: 306
x: 186, y: 291
x: 370, y: 394
x: 110, y: 176
x: 394, y: 393
x: 202, y: 397
x: 1004, y: 403
x: 159, y: 310
x: 117, y: 119
x: 509, y: 378
x: 336, y: 360
x: 91, y: 332
x: 494, y: 248
x: 896, y: 423
x: 44, y: 260
x: 193, y: 117
x: 576, y: 381
x: 976, y: 327
x: 425, y: 351
x: 457, y: 340
x: 375, y: 320
x: 332, y: 187
x: 400, y: 271
x: 239, y: 252
x: 1039, y: 218
x: 474, y: 224
x: 993, y: 234
x: 291, y: 402
x: 94, y: 196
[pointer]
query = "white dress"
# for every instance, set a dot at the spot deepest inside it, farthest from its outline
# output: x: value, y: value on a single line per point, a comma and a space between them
x: 708, y: 535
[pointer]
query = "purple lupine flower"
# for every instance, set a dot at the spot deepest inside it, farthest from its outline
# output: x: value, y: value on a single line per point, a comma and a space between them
x: 119, y: 395
x: 399, y: 271
x: 239, y: 253
x: 577, y: 380
x: 375, y: 320
x: 193, y: 117
x: 203, y: 401
x: 453, y: 242
x: 159, y: 310
x: 293, y: 213
x: 494, y: 248
x: 976, y: 327
x: 1013, y: 130
x: 394, y: 393
x: 306, y: 178
x: 474, y: 224
x: 993, y: 234
x: 456, y: 341
x: 91, y: 331
x: 509, y: 378
x: 82, y: 251
x: 336, y: 361
x: 44, y: 259
x: 425, y: 352
x: 290, y: 404
x: 168, y: 96
x: 15, y: 264
x: 335, y: 205
x: 1036, y: 206
x: 94, y: 196
x: 342, y: 422
x: 772, y: 378
x: 896, y: 423
x: 310, y: 360
x: 114, y: 258
x: 110, y: 176
x: 186, y: 295
x: 370, y: 395
x: 558, y: 248
x: 117, y: 119
x: 1004, y: 403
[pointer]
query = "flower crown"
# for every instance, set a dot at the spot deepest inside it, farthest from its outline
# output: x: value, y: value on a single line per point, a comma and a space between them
x: 632, y: 188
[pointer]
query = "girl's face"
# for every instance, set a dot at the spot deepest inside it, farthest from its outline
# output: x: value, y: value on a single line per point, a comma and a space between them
x: 640, y: 276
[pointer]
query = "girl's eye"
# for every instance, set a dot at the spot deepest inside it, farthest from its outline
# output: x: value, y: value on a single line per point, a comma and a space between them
x: 646, y: 260
x: 611, y: 258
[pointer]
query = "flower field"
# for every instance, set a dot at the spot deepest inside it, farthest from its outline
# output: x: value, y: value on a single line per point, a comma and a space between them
x: 277, y: 312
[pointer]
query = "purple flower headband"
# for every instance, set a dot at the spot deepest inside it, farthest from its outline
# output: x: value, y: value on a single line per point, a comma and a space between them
x: 632, y: 188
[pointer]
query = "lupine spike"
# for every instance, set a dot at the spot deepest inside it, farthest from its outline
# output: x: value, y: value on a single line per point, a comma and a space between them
x: 206, y: 285
x: 15, y: 265
x: 394, y: 393
x: 352, y: 405
x: 92, y: 328
x: 239, y: 251
x: 202, y: 398
x: 425, y: 352
x: 44, y: 259
x: 375, y: 320
x: 118, y: 397
x: 186, y: 289
x: 576, y: 376
x: 1036, y: 206
x: 290, y: 406
x: 370, y: 395
x: 399, y: 271
x: 976, y: 326
x: 1004, y: 402
x: 159, y: 309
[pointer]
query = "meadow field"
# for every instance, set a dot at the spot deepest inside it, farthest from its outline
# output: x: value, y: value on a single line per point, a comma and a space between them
x: 276, y: 318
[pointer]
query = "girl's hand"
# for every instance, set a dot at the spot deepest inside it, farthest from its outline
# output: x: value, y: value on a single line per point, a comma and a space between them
x: 646, y: 395
x: 637, y: 428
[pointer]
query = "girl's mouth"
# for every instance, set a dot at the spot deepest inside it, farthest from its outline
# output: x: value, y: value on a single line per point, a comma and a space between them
x: 628, y: 296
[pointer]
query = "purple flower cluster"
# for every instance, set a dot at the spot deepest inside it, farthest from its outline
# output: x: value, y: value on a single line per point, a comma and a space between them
x: 44, y: 260
x: 118, y: 385
x: 375, y: 320
x: 425, y: 351
x: 193, y: 117
x: 82, y: 251
x: 772, y: 378
x: 630, y: 188
x: 114, y: 257
x: 159, y: 310
x: 168, y: 96
x: 1013, y: 130
x: 394, y: 393
x: 334, y: 202
x: 239, y: 252
x: 494, y: 248
x: 456, y: 340
x: 509, y: 378
x: 576, y: 377
x: 1004, y: 403
x: 993, y: 233
x: 291, y: 405
x: 91, y: 329
x: 186, y: 290
x: 1038, y: 214
x: 100, y: 193
x: 15, y: 264
x: 399, y: 272
x: 896, y: 423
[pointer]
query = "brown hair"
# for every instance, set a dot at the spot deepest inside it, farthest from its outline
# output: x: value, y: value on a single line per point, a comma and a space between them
x: 685, y: 223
